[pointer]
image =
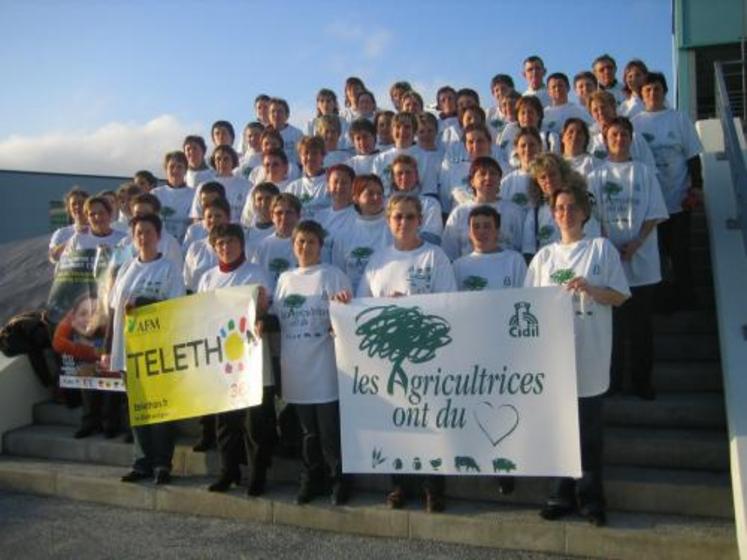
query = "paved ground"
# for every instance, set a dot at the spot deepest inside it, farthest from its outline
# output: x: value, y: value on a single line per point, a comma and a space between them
x: 33, y: 527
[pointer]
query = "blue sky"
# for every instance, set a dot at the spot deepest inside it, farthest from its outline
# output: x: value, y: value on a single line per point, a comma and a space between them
x: 102, y: 86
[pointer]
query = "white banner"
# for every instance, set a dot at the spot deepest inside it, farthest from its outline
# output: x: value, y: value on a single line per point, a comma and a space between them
x: 470, y: 383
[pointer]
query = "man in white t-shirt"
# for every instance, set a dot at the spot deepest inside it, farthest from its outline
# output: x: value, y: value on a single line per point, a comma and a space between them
x: 533, y: 70
x: 560, y: 109
x: 605, y: 68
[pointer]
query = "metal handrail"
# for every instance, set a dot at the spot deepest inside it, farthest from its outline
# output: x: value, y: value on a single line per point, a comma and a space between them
x: 733, y: 152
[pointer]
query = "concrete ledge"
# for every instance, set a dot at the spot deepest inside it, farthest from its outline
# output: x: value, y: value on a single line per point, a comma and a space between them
x: 628, y: 536
x: 20, y: 390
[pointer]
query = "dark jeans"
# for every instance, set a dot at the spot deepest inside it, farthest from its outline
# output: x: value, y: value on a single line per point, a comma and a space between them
x: 102, y: 409
x: 154, y: 447
x: 586, y: 491
x: 240, y: 441
x: 320, y: 431
x: 674, y: 245
x: 632, y: 325
x: 208, y: 425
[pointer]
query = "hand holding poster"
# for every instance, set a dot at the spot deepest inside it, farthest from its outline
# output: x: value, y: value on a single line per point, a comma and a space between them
x: 194, y: 355
x: 459, y: 383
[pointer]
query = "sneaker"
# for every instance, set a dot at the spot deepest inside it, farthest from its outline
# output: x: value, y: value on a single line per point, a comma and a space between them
x: 594, y: 515
x: 224, y: 483
x: 305, y: 493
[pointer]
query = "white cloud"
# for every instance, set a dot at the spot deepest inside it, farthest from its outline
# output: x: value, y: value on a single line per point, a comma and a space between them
x: 373, y: 42
x: 114, y: 149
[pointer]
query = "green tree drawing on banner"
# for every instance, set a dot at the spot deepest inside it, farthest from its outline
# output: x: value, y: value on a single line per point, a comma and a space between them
x: 401, y: 333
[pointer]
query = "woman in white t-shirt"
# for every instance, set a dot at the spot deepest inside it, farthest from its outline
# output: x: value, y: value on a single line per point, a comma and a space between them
x: 143, y: 280
x: 591, y: 270
x: 236, y: 188
x: 549, y: 173
x: 630, y: 205
x: 307, y: 358
x: 74, y: 201
x: 410, y: 266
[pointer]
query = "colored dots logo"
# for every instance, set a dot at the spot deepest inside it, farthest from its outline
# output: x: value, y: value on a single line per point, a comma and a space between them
x: 234, y: 336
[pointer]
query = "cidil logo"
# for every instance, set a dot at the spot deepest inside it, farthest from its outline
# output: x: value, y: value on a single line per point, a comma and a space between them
x: 522, y: 323
x: 398, y: 334
x: 235, y: 335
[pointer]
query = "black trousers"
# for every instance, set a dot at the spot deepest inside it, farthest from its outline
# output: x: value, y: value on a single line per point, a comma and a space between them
x: 632, y: 330
x: 247, y: 436
x: 102, y: 409
x: 320, y: 447
x: 586, y: 491
x: 154, y: 447
x: 674, y: 245
x: 411, y: 483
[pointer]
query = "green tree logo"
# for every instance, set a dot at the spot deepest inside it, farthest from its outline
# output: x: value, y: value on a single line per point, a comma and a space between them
x: 361, y: 255
x: 278, y: 265
x: 294, y: 302
x: 600, y: 153
x: 474, y: 283
x: 520, y: 198
x: 611, y: 189
x: 167, y: 211
x: 545, y: 233
x: 648, y: 137
x: 562, y: 276
x: 401, y: 333
x: 496, y: 123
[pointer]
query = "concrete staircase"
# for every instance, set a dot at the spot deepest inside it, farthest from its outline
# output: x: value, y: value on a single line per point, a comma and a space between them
x: 666, y: 481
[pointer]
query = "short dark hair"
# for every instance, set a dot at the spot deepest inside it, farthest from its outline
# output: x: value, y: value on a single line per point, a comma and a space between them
x: 177, y: 155
x: 149, y: 218
x: 213, y: 187
x: 279, y: 153
x: 604, y: 58
x: 559, y: 76
x: 655, y: 78
x: 146, y: 175
x: 223, y: 124
x: 361, y: 125
x: 147, y: 198
x: 484, y: 162
x: 485, y: 210
x: 267, y: 188
x: 580, y: 122
x: 469, y: 92
x: 502, y: 79
x: 585, y: 75
x: 261, y: 97
x: 341, y: 168
x: 219, y: 203
x: 622, y: 122
x: 195, y: 139
x: 228, y: 150
x: 226, y: 230
x: 312, y: 227
x: 98, y: 199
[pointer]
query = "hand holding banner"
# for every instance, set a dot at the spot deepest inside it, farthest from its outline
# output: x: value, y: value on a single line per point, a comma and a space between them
x: 194, y: 355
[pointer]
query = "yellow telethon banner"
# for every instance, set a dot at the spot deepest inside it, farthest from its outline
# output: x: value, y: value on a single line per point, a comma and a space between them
x: 194, y: 355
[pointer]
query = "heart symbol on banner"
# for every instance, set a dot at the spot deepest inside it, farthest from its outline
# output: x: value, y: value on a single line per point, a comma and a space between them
x: 496, y: 423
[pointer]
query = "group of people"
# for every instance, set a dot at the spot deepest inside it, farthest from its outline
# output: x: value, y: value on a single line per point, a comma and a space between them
x: 533, y: 191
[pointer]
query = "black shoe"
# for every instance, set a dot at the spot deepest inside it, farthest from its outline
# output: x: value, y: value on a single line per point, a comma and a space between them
x: 135, y: 476
x: 224, y: 483
x: 204, y: 445
x: 162, y: 476
x: 434, y: 503
x: 86, y: 431
x: 506, y: 485
x: 257, y: 482
x: 129, y: 438
x: 306, y: 492
x: 552, y: 511
x: 340, y: 493
x: 594, y: 515
x: 111, y: 433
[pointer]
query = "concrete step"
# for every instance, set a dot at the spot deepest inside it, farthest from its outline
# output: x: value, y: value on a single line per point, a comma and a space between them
x: 686, y: 347
x: 696, y: 321
x: 627, y: 536
x: 688, y: 377
x: 669, y: 410
x: 711, y: 495
x: 667, y: 448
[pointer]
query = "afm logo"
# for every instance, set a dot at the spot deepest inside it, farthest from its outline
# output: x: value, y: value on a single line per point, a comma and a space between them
x: 522, y: 323
x: 143, y: 326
